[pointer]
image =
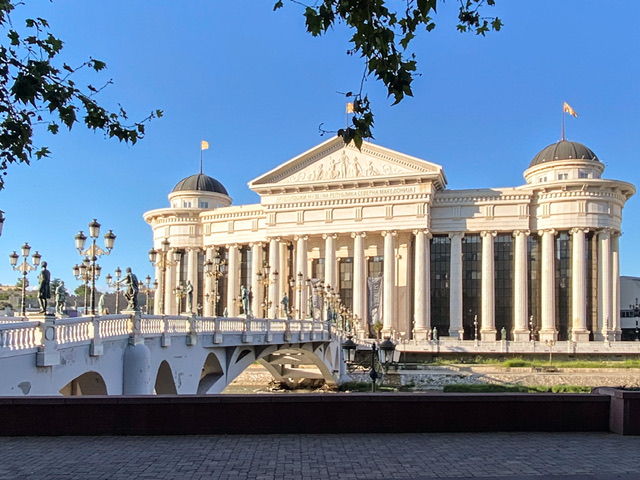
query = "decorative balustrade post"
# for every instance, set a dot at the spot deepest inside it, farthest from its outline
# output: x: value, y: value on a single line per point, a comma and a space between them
x: 48, y: 354
x: 165, y: 341
x: 246, y: 331
x: 217, y: 336
x: 192, y: 331
x: 96, y: 348
x: 287, y: 331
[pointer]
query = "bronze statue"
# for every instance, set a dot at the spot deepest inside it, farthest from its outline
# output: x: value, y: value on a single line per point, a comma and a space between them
x: 189, y: 292
x: 61, y: 298
x: 44, y: 287
x: 131, y: 293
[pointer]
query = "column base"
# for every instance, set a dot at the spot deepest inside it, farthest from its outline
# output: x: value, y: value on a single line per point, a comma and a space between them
x: 489, y: 334
x: 580, y: 335
x: 421, y: 335
x: 521, y: 335
x: 551, y: 335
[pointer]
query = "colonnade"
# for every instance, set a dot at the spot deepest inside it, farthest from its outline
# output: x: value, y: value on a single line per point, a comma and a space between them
x: 418, y: 267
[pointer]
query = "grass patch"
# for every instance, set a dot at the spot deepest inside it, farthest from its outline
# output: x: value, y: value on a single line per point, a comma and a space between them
x: 536, y: 363
x: 493, y: 388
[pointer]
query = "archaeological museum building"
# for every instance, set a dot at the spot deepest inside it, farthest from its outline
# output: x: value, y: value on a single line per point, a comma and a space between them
x: 376, y: 236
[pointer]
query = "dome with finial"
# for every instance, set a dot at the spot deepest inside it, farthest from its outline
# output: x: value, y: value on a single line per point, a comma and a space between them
x: 563, y: 150
x: 200, y: 183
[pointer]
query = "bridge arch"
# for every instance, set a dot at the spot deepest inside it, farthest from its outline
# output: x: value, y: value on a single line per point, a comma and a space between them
x: 212, y: 373
x: 165, y: 383
x: 89, y: 383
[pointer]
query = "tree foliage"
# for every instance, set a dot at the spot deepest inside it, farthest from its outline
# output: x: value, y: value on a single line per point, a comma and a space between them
x: 37, y: 90
x: 382, y: 35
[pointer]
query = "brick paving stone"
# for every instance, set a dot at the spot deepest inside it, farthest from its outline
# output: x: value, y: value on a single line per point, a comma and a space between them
x: 464, y: 456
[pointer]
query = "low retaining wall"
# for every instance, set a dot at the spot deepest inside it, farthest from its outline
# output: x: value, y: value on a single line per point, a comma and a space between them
x: 308, y: 413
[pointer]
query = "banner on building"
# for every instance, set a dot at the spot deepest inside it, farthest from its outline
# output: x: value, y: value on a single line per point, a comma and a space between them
x: 374, y: 294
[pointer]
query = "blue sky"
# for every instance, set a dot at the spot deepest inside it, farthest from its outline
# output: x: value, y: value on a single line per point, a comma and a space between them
x: 256, y: 86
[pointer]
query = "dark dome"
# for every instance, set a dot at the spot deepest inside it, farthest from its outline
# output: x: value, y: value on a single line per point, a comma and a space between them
x: 563, y: 150
x: 202, y: 183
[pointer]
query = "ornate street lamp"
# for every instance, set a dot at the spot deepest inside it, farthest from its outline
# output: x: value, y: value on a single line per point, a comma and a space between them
x: 109, y: 279
x: 160, y: 258
x: 349, y: 350
x: 180, y: 293
x: 387, y: 347
x: 263, y: 279
x: 475, y: 329
x: 145, y: 287
x: 25, y: 268
x: 215, y: 269
x: 1, y: 221
x: 92, y: 253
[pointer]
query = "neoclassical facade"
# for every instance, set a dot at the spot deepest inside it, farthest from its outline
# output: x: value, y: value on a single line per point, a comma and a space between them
x: 379, y: 232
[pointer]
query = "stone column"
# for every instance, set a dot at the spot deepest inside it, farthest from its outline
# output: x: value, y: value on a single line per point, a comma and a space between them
x: 171, y: 281
x: 605, y: 290
x: 359, y: 281
x: 488, y: 317
x: 192, y: 275
x: 389, y: 282
x: 330, y: 278
x: 208, y: 285
x: 256, y: 288
x: 579, y: 330
x: 615, y: 286
x: 158, y: 296
x: 301, y: 267
x: 283, y: 277
x: 455, y: 286
x: 233, y: 276
x: 421, y: 285
x: 274, y: 290
x: 547, y: 287
x: 520, y: 287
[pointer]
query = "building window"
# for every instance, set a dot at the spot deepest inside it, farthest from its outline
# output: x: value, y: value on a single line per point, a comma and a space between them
x: 503, y: 269
x: 204, y: 204
x: 563, y: 176
x: 186, y: 204
x: 471, y: 282
x: 542, y: 179
x: 534, y: 268
x: 440, y: 269
x: 346, y: 281
x: 317, y: 268
x: 376, y: 266
x: 583, y: 174
x: 563, y: 284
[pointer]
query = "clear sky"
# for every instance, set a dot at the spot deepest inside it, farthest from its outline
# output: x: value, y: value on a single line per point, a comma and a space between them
x: 253, y: 84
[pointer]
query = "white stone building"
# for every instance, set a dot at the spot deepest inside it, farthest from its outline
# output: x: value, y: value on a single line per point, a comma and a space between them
x: 380, y: 229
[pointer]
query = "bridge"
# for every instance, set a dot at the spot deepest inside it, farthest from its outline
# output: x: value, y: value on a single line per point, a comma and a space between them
x: 136, y: 354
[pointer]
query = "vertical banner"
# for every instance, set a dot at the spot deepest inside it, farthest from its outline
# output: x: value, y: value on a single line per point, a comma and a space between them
x: 374, y: 305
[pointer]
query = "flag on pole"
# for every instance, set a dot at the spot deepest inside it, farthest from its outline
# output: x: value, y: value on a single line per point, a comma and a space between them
x: 349, y: 107
x: 566, y: 108
x: 204, y: 145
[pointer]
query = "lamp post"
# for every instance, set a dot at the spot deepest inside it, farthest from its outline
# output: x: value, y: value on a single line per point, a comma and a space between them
x: 180, y: 294
x: 263, y: 279
x: 93, y: 252
x: 349, y: 351
x: 387, y: 347
x: 373, y: 373
x: 475, y: 329
x: 109, y: 279
x: 299, y: 287
x: 160, y: 258
x: 1, y: 221
x: 310, y: 298
x: 531, y: 330
x: 215, y: 269
x: 550, y: 344
x: 145, y: 287
x: 25, y: 268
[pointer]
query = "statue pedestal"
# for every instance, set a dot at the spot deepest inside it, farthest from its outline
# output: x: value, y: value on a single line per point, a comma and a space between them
x: 47, y: 354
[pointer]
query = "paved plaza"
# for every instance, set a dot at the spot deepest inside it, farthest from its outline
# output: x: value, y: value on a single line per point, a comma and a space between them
x: 521, y: 456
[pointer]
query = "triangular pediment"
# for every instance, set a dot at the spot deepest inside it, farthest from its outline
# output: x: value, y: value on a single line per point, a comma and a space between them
x: 332, y: 162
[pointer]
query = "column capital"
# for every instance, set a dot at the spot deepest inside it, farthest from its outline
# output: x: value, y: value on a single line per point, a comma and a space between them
x: 358, y: 234
x: 550, y: 231
x: 486, y: 233
x: 329, y: 235
x: 384, y: 233
x: 606, y: 232
x: 232, y: 245
x: 426, y: 232
x: 517, y: 233
x: 453, y: 235
x: 301, y: 237
x: 273, y: 239
x: 256, y: 244
x: 573, y: 231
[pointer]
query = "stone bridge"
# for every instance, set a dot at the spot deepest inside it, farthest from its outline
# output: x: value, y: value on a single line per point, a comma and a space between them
x: 135, y: 354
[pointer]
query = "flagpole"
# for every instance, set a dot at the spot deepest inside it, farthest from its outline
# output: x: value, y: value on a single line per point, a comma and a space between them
x: 200, y: 159
x: 563, y: 121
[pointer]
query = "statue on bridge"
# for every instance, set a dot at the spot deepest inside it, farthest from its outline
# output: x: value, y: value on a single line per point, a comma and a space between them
x: 131, y: 293
x: 285, y: 305
x: 44, y: 287
x: 244, y: 295
x: 61, y: 298
x: 189, y: 292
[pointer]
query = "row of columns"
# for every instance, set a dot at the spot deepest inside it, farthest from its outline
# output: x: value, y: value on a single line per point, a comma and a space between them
x: 607, y: 282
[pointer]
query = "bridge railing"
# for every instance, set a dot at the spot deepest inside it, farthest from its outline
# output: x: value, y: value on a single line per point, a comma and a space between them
x: 18, y: 334
x: 24, y: 335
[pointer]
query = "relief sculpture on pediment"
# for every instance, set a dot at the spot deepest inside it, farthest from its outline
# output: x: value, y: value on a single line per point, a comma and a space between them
x: 342, y: 166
